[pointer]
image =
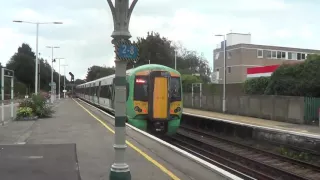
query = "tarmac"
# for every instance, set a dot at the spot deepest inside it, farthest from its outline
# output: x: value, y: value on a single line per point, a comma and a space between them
x: 77, y: 137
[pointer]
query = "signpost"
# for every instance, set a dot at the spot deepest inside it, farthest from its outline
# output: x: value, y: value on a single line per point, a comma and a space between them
x: 125, y: 51
x: 6, y: 73
x: 72, y: 81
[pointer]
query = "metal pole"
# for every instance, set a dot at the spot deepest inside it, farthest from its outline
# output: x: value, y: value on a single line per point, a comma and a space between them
x: 64, y: 83
x: 2, y: 95
x: 59, y: 80
x: 39, y: 82
x: 175, y: 59
x: 12, y: 86
x: 121, y: 19
x: 224, y: 75
x: 192, y: 94
x: 36, y: 66
x: 52, y: 76
x: 200, y: 95
x: 319, y: 116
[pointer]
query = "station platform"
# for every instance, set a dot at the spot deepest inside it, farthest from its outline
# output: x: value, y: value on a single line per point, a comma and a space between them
x: 296, y: 129
x: 77, y: 143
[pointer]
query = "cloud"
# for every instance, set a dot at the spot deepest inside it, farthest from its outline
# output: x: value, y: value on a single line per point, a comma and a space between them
x: 84, y: 36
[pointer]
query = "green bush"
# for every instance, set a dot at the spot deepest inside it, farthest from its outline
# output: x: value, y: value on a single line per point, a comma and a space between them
x: 302, y: 79
x: 256, y: 86
x: 38, y: 106
x: 24, y: 112
x: 26, y: 103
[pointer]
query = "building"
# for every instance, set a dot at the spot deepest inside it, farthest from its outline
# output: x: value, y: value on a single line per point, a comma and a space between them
x: 241, y: 55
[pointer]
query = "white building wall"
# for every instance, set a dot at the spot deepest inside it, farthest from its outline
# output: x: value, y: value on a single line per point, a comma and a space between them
x: 238, y: 38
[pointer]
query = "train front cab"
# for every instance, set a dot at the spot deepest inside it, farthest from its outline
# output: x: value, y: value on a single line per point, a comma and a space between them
x: 157, y: 102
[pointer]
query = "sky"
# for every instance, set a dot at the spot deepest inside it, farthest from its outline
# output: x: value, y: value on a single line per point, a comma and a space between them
x: 84, y: 37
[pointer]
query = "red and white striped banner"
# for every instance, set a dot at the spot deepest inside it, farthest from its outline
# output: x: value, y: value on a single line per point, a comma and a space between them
x: 261, y: 71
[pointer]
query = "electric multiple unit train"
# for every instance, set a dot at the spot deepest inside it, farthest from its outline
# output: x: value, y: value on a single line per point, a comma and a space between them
x: 154, y: 97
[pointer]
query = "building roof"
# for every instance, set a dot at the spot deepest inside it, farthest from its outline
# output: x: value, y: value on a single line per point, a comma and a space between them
x: 271, y: 47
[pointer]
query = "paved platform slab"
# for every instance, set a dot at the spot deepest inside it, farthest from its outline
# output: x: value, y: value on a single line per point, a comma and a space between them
x: 15, y: 132
x: 72, y: 124
x: 77, y: 124
x: 297, y: 128
x: 180, y: 166
x: 39, y: 162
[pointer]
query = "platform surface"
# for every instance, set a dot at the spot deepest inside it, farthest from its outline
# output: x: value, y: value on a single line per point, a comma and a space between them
x: 313, y: 131
x: 78, y: 124
x: 39, y: 162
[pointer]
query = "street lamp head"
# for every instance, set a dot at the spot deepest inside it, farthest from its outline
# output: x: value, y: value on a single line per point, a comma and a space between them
x: 218, y: 35
x: 17, y: 21
x: 52, y: 47
x: 57, y: 23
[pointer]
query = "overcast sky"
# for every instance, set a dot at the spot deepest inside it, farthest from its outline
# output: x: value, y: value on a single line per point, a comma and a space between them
x: 84, y: 38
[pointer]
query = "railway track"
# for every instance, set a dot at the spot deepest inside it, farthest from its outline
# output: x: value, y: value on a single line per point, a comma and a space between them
x: 251, y: 162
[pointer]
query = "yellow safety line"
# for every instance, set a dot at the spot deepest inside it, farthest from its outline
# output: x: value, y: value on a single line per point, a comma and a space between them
x: 169, y: 173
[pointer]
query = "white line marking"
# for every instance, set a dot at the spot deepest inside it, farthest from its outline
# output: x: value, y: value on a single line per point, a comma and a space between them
x: 35, y: 157
x: 20, y: 143
x: 200, y: 161
x: 256, y: 126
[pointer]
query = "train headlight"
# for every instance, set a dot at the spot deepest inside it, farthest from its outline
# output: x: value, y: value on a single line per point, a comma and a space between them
x: 137, y: 109
x: 178, y: 109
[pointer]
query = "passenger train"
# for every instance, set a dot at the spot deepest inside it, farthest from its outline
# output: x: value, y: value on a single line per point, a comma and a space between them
x: 153, y: 102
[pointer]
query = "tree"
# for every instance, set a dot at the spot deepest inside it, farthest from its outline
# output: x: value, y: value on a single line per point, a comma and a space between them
x: 160, y: 50
x: 79, y: 81
x: 187, y: 81
x: 23, y: 66
x: 96, y: 72
x: 23, y: 63
x: 156, y: 49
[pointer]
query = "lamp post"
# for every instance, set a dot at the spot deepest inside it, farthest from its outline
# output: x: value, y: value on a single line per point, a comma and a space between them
x: 175, y: 59
x: 121, y: 13
x: 53, y: 60
x: 59, y: 77
x: 64, y: 83
x: 36, y: 63
x: 39, y: 79
x: 224, y: 73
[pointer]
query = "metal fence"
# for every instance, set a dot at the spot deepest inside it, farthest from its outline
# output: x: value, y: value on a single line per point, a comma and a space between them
x: 311, y: 110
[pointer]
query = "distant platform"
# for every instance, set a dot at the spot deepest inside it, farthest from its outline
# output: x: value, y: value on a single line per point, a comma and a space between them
x: 277, y: 126
x: 39, y: 162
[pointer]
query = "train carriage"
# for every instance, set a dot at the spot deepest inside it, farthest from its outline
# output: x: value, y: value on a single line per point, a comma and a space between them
x: 154, y: 97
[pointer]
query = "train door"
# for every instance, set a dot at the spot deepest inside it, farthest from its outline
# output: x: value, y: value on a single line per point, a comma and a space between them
x: 95, y: 93
x: 99, y: 89
x: 159, y: 95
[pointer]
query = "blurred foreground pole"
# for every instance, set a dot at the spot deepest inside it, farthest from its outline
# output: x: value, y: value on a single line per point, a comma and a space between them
x: 125, y: 51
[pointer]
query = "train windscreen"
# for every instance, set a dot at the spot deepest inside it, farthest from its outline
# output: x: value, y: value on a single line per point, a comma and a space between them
x: 141, y: 88
x: 175, y: 88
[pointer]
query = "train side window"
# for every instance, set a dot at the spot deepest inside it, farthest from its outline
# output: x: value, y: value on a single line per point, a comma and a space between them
x: 104, y: 91
x: 109, y: 90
